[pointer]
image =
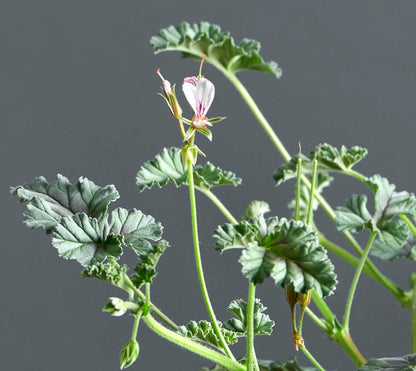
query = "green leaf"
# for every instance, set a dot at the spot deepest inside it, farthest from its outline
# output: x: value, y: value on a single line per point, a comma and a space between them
x: 111, y: 273
x: 168, y: 167
x: 289, y: 365
x: 329, y: 159
x: 235, y: 236
x: 135, y: 227
x: 49, y: 203
x: 86, y: 240
x: 291, y: 254
x: 256, y: 209
x: 354, y: 217
x: 145, y: 269
x: 263, y: 325
x: 323, y: 180
x: 203, y: 331
x: 405, y: 363
x: 219, y: 47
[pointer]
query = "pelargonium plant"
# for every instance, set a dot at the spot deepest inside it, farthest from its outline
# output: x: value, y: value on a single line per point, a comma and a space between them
x: 292, y: 251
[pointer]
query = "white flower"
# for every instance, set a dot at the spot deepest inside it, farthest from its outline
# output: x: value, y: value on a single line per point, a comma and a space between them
x: 200, y: 95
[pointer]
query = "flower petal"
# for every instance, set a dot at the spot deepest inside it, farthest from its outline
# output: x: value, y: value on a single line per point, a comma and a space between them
x: 189, y: 90
x: 205, y: 92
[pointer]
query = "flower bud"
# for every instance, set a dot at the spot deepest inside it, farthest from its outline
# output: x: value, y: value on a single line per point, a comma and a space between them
x: 291, y: 295
x: 305, y: 299
x: 118, y: 307
x: 129, y: 353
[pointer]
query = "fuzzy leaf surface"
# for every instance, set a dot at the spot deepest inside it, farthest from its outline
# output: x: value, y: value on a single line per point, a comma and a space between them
x: 203, y: 331
x: 218, y: 46
x: 145, y: 269
x: 48, y: 203
x: 168, y: 167
x: 86, y: 240
x: 111, y: 273
x: 263, y: 325
x: 405, y: 363
x: 329, y: 159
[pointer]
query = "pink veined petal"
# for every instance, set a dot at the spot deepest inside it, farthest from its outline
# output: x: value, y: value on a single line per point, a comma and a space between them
x: 205, y: 92
x: 189, y: 90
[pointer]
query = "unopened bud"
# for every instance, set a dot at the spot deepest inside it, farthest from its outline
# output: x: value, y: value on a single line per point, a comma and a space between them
x: 305, y: 299
x: 129, y: 353
x: 117, y: 307
x: 291, y: 295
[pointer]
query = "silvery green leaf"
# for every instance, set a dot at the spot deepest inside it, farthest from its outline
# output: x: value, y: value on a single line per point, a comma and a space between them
x: 218, y: 46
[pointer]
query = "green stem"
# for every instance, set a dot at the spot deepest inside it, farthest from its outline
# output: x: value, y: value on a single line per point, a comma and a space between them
x: 218, y: 203
x: 409, y: 223
x: 299, y: 173
x: 311, y: 358
x: 369, y: 269
x: 258, y: 114
x: 344, y: 340
x: 323, y: 325
x: 198, y: 262
x: 153, y: 307
x: 138, y: 315
x: 251, y: 360
x: 413, y: 307
x: 312, y: 191
x: 355, y: 281
x: 192, y: 345
x: 323, y: 308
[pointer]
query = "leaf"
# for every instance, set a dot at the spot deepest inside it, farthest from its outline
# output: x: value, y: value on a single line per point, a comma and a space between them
x: 235, y: 236
x: 289, y: 365
x: 203, y: 331
x: 145, y: 269
x: 256, y: 209
x: 86, y: 240
x: 405, y: 363
x: 263, y: 325
x: 353, y: 217
x: 290, y: 255
x: 323, y: 180
x: 329, y: 159
x: 135, y: 227
x: 168, y: 167
x: 111, y: 273
x: 219, y: 47
x: 49, y: 203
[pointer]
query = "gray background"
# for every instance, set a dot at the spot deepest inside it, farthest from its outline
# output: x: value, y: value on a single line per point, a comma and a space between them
x: 78, y: 96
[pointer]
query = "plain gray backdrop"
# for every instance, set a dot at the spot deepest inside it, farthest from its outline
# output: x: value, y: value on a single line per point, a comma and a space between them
x: 78, y: 97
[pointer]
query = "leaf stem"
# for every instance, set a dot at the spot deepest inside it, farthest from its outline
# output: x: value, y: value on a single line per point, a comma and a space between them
x: 311, y: 358
x: 138, y: 315
x: 251, y: 359
x: 354, y: 283
x: 312, y: 190
x: 323, y: 307
x: 198, y: 262
x: 218, y: 203
x: 413, y: 322
x: 192, y: 346
x: 409, y: 224
x: 153, y: 307
x: 299, y: 173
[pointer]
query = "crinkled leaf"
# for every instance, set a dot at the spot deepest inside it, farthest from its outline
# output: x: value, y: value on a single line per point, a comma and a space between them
x: 389, y: 203
x: 112, y: 273
x: 405, y: 363
x: 263, y: 325
x: 48, y: 203
x: 289, y: 365
x: 135, y: 227
x: 86, y: 240
x: 329, y: 159
x: 145, y: 269
x: 323, y: 180
x: 168, y: 166
x: 219, y: 47
x: 290, y: 255
x: 235, y: 236
x: 203, y: 331
x: 353, y: 217
x: 256, y: 209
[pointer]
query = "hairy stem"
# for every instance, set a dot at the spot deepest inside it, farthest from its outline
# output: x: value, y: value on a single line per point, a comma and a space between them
x: 198, y: 262
x: 355, y: 281
x: 311, y: 358
x: 192, y: 346
x: 251, y: 360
